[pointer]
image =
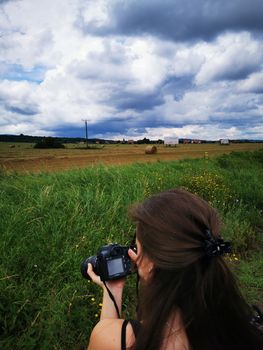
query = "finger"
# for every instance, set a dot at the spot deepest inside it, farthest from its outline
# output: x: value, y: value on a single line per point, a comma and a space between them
x: 95, y: 278
x: 132, y: 255
x: 90, y: 272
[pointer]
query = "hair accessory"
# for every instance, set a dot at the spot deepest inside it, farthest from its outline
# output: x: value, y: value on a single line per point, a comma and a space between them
x: 215, y: 246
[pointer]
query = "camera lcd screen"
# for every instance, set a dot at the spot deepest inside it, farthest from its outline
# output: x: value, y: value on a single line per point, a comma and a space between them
x: 115, y: 266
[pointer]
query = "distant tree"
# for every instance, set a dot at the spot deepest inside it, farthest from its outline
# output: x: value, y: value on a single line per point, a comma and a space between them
x: 49, y: 142
x: 144, y: 141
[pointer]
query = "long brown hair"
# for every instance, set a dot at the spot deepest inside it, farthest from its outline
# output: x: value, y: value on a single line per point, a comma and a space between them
x: 171, y: 228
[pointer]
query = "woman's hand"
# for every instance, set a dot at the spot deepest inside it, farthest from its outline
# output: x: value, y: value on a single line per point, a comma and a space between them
x: 95, y: 278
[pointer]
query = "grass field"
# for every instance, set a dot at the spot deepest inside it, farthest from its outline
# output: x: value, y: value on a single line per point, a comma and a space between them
x: 51, y: 221
x: 23, y: 157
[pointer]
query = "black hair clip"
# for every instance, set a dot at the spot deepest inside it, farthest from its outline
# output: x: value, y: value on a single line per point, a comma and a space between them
x: 215, y: 246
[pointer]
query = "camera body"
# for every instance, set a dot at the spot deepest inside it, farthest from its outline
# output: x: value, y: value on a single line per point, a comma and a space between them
x: 111, y: 262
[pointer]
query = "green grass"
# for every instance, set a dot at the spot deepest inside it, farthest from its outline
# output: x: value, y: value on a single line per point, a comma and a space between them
x: 51, y: 222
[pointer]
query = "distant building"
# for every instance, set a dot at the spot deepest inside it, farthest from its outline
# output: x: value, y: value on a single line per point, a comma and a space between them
x: 224, y: 142
x: 171, y: 141
x: 196, y: 141
x: 130, y: 142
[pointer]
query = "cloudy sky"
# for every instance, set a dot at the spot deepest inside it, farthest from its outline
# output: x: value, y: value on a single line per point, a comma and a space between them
x: 132, y: 68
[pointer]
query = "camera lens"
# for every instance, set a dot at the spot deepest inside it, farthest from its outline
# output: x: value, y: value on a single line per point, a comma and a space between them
x: 84, y: 265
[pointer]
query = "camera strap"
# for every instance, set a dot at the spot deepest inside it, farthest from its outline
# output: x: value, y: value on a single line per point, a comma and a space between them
x: 113, y: 299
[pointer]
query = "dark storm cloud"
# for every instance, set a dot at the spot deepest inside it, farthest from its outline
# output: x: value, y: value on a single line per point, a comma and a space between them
x: 142, y: 102
x: 5, y: 1
x: 241, y: 107
x: 26, y: 110
x: 235, y: 119
x: 137, y: 102
x: 138, y: 128
x: 237, y: 73
x: 134, y: 126
x: 114, y: 125
x: 111, y: 126
x: 180, y: 20
x: 257, y: 90
x: 177, y: 86
x: 68, y: 131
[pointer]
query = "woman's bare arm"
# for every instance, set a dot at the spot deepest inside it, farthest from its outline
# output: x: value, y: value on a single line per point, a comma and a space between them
x: 106, y: 335
x: 116, y: 288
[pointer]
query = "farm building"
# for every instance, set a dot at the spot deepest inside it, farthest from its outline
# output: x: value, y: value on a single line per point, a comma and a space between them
x: 196, y: 141
x: 171, y: 141
x: 224, y: 142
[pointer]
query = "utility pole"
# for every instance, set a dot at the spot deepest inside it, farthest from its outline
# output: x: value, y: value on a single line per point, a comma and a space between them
x: 86, y: 127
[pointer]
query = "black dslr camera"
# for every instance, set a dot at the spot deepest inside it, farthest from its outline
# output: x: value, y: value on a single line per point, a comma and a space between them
x: 111, y: 262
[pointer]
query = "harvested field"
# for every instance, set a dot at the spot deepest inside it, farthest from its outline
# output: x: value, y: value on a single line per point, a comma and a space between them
x: 22, y: 157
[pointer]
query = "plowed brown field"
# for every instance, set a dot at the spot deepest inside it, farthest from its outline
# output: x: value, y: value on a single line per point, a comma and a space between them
x: 22, y: 157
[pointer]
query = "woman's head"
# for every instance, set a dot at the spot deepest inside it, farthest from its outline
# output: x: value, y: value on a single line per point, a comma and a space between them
x: 171, y: 231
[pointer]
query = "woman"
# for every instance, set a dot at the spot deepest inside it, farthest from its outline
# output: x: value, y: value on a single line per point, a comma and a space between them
x: 188, y: 297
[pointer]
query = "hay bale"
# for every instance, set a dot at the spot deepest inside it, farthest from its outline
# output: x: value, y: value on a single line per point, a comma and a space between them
x: 150, y: 150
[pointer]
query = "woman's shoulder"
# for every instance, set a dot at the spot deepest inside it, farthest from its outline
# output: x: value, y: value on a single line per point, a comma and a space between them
x: 107, y: 335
